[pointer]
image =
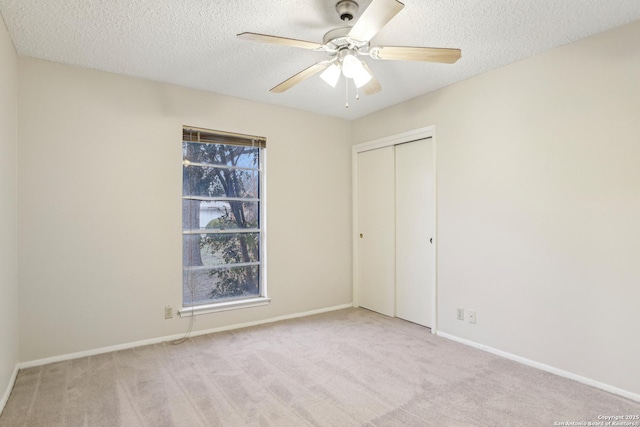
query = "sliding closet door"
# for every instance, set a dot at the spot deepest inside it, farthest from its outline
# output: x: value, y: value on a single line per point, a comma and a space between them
x: 376, y: 248
x: 415, y: 225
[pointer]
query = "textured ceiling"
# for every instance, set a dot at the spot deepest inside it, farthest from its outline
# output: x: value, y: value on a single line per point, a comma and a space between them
x: 192, y: 43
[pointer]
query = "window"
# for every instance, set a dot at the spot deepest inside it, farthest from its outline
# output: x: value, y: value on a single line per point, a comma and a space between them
x: 222, y: 221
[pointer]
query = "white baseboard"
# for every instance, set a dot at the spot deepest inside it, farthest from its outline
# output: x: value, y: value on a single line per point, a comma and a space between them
x: 543, y: 367
x: 93, y: 352
x: 7, y: 392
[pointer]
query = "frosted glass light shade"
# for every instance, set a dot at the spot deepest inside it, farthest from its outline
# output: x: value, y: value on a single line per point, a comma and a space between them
x: 361, y: 78
x: 350, y: 65
x: 331, y: 75
x: 353, y: 68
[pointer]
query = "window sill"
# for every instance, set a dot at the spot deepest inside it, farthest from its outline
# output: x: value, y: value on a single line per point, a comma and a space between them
x: 223, y: 306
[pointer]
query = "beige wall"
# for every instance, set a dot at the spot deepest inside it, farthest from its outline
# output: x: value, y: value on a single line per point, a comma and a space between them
x: 100, y: 213
x: 8, y: 209
x: 539, y: 204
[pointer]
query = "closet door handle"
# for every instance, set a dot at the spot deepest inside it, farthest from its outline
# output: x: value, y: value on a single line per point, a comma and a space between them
x: 431, y: 240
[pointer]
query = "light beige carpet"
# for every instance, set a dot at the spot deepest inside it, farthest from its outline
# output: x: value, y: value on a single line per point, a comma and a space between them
x: 346, y: 368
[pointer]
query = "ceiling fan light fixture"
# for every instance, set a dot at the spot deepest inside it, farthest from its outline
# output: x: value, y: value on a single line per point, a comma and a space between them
x: 350, y: 66
x: 361, y: 78
x: 353, y: 68
x: 331, y: 75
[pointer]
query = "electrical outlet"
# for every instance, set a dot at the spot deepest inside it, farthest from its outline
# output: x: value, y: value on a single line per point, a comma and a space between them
x: 168, y: 312
x: 461, y: 314
x: 471, y: 316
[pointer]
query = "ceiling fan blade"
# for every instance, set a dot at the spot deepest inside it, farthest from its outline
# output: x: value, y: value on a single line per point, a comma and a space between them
x: 373, y: 86
x: 429, y: 54
x: 374, y: 18
x: 300, y: 77
x: 279, y: 40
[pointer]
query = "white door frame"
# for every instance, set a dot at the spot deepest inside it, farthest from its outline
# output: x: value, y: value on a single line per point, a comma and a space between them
x: 422, y: 133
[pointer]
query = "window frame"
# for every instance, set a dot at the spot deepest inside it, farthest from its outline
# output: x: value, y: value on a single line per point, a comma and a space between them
x: 262, y: 298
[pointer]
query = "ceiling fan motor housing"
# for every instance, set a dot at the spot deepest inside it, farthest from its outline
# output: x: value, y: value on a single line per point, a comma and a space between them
x: 346, y: 9
x: 338, y: 39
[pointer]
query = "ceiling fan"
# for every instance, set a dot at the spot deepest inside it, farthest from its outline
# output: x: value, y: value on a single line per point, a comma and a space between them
x: 345, y: 44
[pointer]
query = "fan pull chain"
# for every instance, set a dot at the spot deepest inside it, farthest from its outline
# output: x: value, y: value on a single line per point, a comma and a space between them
x: 346, y: 84
x: 357, y: 94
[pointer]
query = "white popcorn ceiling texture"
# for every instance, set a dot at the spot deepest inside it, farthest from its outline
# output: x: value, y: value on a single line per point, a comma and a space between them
x: 193, y: 43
